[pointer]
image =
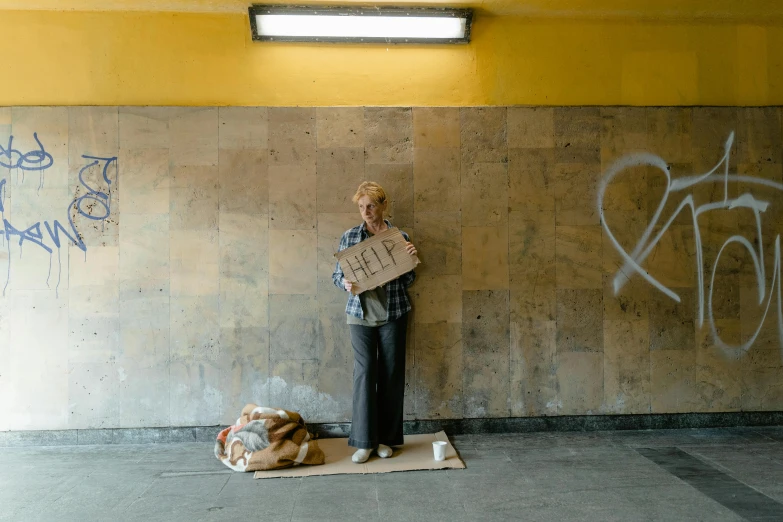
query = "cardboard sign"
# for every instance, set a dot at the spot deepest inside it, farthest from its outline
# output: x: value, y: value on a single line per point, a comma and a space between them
x: 376, y: 261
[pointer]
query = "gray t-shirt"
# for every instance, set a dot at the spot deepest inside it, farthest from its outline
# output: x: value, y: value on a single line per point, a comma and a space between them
x: 374, y: 308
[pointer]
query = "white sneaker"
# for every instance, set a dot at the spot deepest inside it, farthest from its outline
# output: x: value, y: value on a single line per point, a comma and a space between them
x: 384, y: 451
x: 361, y: 455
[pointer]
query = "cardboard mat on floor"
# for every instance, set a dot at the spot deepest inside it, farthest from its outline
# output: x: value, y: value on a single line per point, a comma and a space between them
x: 415, y: 454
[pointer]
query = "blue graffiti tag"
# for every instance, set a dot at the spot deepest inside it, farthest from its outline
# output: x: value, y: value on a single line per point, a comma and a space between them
x: 11, y: 158
x: 102, y: 198
x: 33, y: 233
x: 82, y: 204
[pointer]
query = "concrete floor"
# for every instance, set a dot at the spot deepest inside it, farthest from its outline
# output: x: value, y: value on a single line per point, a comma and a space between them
x: 709, y: 474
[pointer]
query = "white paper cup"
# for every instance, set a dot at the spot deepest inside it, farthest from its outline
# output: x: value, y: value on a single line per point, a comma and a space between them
x: 439, y: 449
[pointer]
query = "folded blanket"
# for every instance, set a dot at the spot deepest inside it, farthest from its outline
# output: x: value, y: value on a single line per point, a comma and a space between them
x: 267, y: 438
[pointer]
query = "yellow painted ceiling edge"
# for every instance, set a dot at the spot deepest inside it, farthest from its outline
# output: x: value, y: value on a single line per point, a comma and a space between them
x: 760, y: 11
x: 204, y: 59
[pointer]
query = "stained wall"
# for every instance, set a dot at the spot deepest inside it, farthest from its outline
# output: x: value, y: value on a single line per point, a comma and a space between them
x: 200, y: 276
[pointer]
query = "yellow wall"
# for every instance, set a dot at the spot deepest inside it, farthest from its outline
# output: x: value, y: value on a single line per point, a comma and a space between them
x: 143, y: 58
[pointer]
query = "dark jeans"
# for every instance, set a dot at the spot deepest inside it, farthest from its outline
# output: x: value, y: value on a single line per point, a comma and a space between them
x: 378, y: 383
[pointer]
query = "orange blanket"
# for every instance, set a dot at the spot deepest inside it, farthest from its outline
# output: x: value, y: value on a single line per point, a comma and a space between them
x: 267, y: 438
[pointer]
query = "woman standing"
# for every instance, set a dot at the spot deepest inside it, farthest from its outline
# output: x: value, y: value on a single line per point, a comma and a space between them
x: 378, y: 322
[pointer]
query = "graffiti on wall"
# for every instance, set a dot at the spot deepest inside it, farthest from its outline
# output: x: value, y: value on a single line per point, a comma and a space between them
x: 12, y: 158
x: 659, y: 224
x: 92, y: 202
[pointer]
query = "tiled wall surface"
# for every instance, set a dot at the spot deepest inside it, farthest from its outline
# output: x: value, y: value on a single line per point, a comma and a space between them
x: 205, y: 283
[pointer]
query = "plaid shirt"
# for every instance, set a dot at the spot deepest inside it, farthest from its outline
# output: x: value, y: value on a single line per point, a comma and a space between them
x: 397, y: 302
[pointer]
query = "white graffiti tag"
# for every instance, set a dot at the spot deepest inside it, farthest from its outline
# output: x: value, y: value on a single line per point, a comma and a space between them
x: 652, y: 235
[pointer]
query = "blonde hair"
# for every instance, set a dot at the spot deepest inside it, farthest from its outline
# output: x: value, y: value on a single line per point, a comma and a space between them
x: 371, y: 189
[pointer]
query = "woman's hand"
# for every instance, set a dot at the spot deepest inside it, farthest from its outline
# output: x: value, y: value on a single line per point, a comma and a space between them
x: 347, y: 285
x: 409, y: 248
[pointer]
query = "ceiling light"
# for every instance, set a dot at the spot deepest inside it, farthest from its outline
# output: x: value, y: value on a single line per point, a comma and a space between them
x: 360, y: 24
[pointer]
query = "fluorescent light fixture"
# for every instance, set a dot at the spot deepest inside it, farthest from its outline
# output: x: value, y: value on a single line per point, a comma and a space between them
x: 360, y: 24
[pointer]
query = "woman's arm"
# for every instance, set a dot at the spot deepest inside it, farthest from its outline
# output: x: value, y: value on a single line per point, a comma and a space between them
x: 338, y: 276
x: 408, y: 277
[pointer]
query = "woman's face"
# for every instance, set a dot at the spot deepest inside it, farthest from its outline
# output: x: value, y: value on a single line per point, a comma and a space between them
x: 371, y: 212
